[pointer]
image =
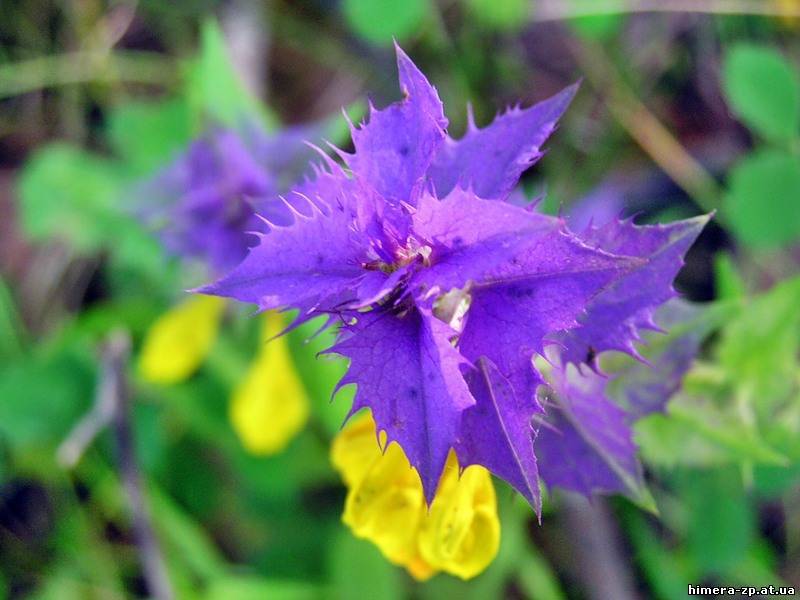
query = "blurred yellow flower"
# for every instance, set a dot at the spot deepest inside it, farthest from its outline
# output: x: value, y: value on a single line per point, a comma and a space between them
x: 180, y: 339
x: 270, y: 406
x: 787, y: 9
x: 460, y: 534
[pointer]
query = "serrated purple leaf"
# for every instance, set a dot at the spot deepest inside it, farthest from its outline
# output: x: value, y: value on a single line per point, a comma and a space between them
x: 409, y: 374
x: 614, y: 319
x: 490, y: 160
x: 497, y: 432
x: 395, y: 147
x: 587, y: 445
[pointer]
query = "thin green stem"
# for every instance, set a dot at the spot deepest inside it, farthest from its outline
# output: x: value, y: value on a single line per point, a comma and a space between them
x: 645, y: 128
x: 558, y: 10
x: 84, y: 67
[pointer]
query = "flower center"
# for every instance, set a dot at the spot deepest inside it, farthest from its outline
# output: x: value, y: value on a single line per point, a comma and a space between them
x: 403, y: 256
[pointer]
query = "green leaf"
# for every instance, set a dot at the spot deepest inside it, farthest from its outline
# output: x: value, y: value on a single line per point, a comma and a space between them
x: 12, y: 329
x: 666, y: 573
x: 772, y: 481
x: 721, y: 523
x: 759, y: 567
x: 147, y: 134
x: 135, y: 250
x: 598, y: 27
x: 62, y: 584
x: 758, y: 350
x: 68, y: 194
x: 500, y: 14
x: 252, y: 587
x: 741, y: 409
x: 378, y: 21
x: 537, y: 579
x: 184, y: 538
x: 696, y: 433
x: 358, y: 570
x: 215, y: 90
x: 667, y: 442
x: 42, y: 398
x: 763, y: 90
x: 762, y: 205
x: 687, y: 324
x: 320, y: 374
x: 728, y: 281
x: 281, y: 477
x: 96, y: 564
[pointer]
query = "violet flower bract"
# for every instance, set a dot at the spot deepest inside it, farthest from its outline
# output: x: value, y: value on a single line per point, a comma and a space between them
x: 204, y: 203
x: 446, y: 292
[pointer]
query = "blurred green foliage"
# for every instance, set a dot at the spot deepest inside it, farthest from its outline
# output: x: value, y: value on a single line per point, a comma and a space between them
x: 499, y: 14
x: 763, y: 90
x: 380, y: 21
x: 720, y: 460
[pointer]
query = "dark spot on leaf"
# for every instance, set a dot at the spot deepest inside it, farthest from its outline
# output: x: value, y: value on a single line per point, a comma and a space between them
x: 520, y: 292
x: 591, y: 354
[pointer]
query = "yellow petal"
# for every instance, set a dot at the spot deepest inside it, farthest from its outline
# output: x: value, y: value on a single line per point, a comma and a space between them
x: 178, y: 342
x: 270, y: 406
x: 355, y: 449
x: 384, y: 501
x: 461, y: 534
x: 387, y: 505
x: 419, y: 569
x: 786, y: 9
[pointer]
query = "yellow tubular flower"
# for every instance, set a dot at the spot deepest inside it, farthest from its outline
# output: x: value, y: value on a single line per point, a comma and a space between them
x: 385, y: 504
x: 462, y: 532
x: 355, y: 449
x: 270, y: 406
x: 786, y: 10
x: 178, y: 342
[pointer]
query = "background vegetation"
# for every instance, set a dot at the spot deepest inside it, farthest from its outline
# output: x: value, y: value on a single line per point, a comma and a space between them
x: 679, y: 113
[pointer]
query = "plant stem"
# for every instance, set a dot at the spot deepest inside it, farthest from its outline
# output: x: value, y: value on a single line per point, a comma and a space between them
x: 114, y: 383
x: 84, y: 67
x: 596, y: 546
x: 645, y: 128
x: 558, y: 10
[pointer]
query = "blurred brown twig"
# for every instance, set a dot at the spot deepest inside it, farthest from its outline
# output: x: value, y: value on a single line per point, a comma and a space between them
x: 114, y: 383
x: 597, y: 550
x: 83, y: 67
x: 557, y: 10
x: 644, y: 127
x: 112, y: 408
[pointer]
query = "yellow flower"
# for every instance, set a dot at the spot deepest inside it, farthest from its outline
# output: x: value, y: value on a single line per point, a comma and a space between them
x: 270, y: 406
x: 179, y: 340
x: 460, y: 534
x: 787, y: 11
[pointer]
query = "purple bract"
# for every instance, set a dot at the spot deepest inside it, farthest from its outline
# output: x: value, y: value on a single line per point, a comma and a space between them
x: 446, y: 292
x: 204, y: 204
